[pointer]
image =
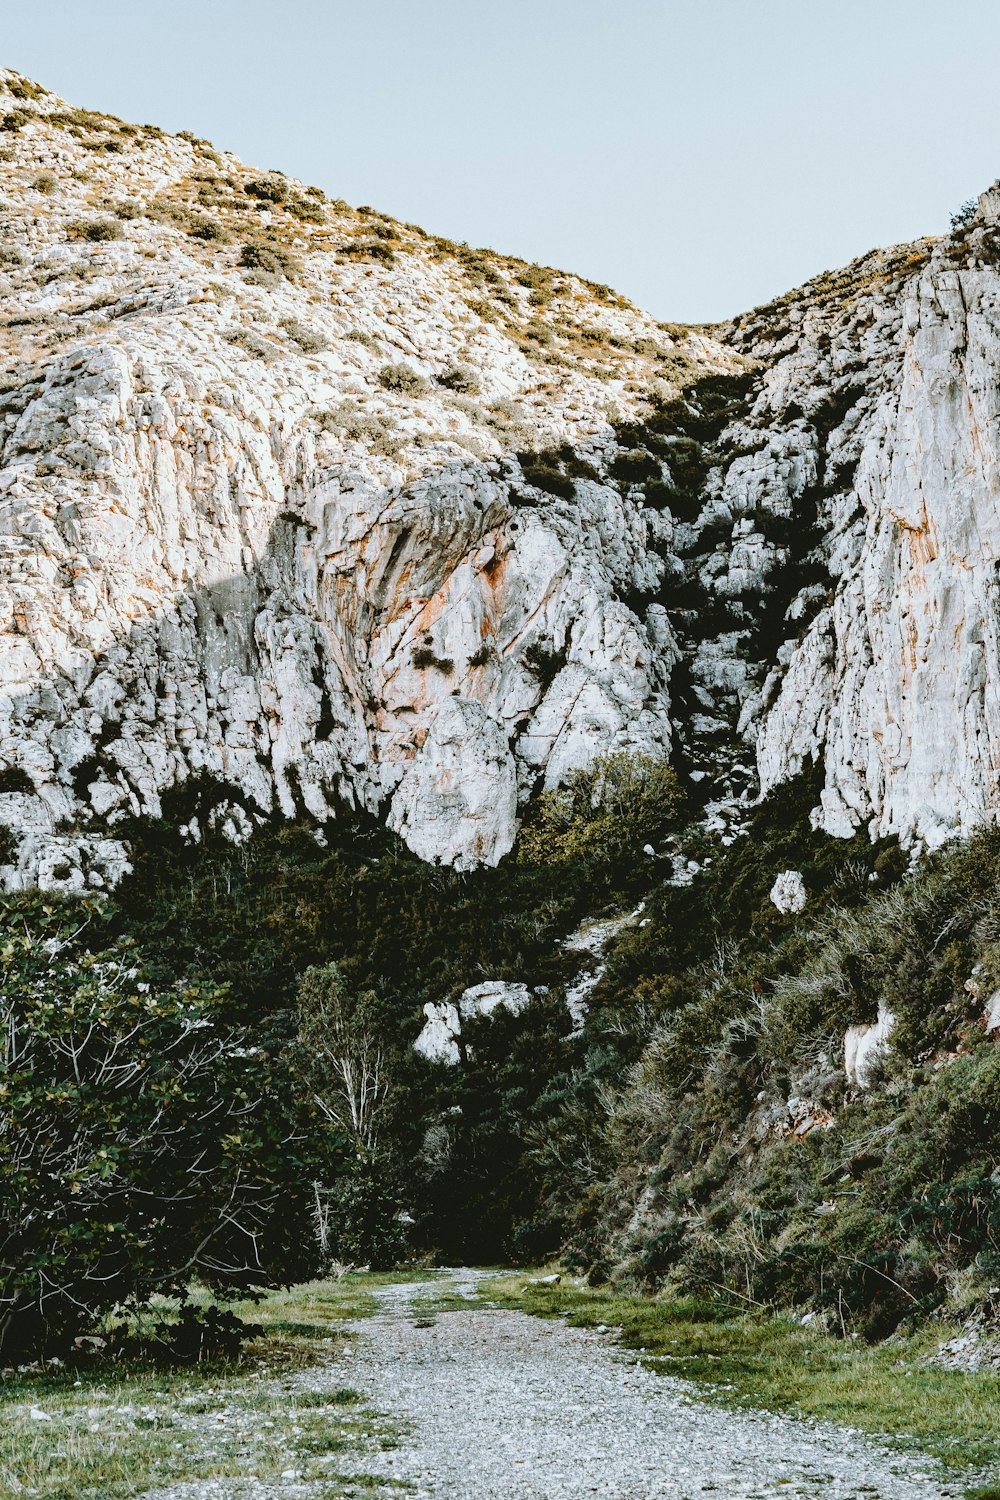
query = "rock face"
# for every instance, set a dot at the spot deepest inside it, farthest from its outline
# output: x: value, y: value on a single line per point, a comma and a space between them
x: 263, y: 520
x: 893, y: 681
x: 317, y: 511
x: 789, y: 892
x: 864, y: 1048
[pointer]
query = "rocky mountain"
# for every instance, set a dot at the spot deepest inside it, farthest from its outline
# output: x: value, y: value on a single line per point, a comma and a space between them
x: 329, y: 512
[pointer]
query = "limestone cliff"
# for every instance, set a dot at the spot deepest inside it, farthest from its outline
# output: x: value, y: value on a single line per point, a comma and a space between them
x: 333, y: 512
x: 263, y: 517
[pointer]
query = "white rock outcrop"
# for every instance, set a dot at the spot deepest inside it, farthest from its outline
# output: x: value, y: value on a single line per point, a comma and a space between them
x: 864, y: 1048
x: 256, y: 533
x: 440, y: 1040
x: 308, y: 510
x: 788, y: 893
x: 894, y: 686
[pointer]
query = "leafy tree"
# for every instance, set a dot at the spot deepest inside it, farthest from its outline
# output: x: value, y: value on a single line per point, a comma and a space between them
x: 342, y: 1036
x: 144, y: 1142
x: 347, y: 1065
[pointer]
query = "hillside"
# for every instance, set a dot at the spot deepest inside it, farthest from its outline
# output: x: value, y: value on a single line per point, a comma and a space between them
x: 379, y: 612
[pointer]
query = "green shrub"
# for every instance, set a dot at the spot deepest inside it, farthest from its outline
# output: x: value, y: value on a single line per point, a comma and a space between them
x: 146, y: 1141
x: 306, y: 209
x: 24, y: 88
x: 270, y: 257
x: 209, y: 230
x: 366, y: 1217
x: 603, y: 814
x: 555, y: 470
x: 14, y: 779
x: 95, y: 230
x: 348, y: 422
x: 425, y: 657
x: 403, y: 380
x: 308, y: 340
x: 251, y: 342
x: 370, y: 250
x: 267, y: 189
x: 460, y: 378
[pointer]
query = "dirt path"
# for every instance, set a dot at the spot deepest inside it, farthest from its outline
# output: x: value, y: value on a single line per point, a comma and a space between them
x: 501, y: 1404
x: 494, y: 1403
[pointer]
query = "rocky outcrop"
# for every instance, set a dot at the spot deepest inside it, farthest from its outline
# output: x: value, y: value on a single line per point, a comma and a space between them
x: 264, y: 522
x: 893, y: 682
x: 440, y: 1039
x: 323, y: 512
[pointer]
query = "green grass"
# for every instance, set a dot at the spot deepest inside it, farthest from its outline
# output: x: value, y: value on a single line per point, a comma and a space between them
x: 109, y: 1432
x: 768, y: 1361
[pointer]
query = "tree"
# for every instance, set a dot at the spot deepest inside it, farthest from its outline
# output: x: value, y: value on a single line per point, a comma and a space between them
x: 344, y: 1056
x: 144, y: 1141
x: 342, y: 1038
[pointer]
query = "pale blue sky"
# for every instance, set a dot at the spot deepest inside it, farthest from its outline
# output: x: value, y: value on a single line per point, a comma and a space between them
x: 699, y: 155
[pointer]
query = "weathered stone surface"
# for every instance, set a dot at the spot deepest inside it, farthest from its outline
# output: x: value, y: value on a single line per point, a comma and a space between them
x: 864, y: 1046
x: 789, y: 892
x: 233, y: 547
x: 290, y: 534
x: 440, y: 1040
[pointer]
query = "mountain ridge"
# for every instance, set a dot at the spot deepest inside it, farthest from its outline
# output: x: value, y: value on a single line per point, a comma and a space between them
x: 336, y: 513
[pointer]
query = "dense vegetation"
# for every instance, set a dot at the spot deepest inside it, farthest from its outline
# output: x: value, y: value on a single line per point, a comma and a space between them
x: 698, y: 1132
x: 145, y: 1139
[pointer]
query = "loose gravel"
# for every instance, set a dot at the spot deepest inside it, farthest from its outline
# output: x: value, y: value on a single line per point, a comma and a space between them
x: 495, y: 1403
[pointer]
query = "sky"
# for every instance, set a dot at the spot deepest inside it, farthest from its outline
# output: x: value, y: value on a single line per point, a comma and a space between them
x: 701, y: 156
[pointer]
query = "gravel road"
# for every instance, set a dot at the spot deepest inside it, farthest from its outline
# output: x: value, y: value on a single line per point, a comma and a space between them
x: 495, y: 1403
x: 500, y: 1404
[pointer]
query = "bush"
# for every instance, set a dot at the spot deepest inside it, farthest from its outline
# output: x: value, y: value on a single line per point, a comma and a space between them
x: 267, y: 189
x: 603, y: 814
x: 208, y: 229
x: 307, y: 339
x: 95, y: 230
x: 145, y: 1140
x: 307, y: 209
x: 347, y: 421
x: 460, y: 378
x: 13, y: 779
x: 964, y: 215
x: 24, y: 88
x: 375, y: 249
x: 425, y: 657
x: 555, y: 470
x: 270, y: 257
x: 366, y: 1218
x: 403, y: 380
x: 250, y: 341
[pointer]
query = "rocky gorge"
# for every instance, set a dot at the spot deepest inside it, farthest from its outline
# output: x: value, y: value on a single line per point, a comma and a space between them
x: 582, y: 728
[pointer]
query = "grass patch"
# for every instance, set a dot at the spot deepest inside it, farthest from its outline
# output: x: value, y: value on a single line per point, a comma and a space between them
x: 111, y: 1431
x: 773, y: 1362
